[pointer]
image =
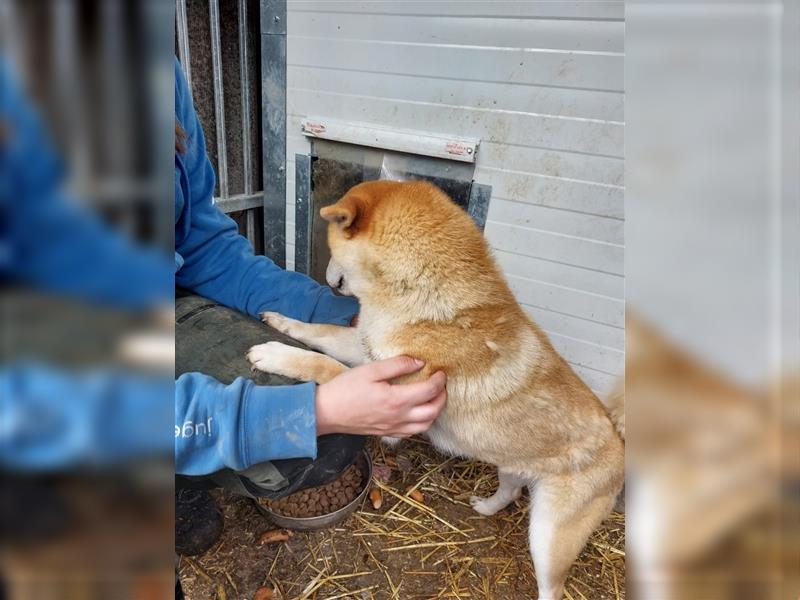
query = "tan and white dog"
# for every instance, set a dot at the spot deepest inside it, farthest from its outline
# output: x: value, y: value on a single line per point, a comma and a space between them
x: 429, y: 288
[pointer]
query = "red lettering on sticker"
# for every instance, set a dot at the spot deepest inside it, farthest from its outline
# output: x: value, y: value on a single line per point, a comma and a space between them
x: 315, y: 128
x: 456, y: 148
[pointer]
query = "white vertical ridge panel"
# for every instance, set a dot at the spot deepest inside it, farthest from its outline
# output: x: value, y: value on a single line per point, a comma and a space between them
x: 592, y: 307
x: 588, y: 104
x: 541, y: 84
x: 549, y: 163
x: 530, y: 9
x: 575, y: 251
x: 556, y: 219
x: 550, y: 182
x: 530, y: 66
x: 570, y: 134
x: 558, y: 34
x: 556, y: 273
x: 572, y: 326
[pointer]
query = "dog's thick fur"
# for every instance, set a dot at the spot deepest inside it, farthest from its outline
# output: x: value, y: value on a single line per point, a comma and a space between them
x: 429, y: 288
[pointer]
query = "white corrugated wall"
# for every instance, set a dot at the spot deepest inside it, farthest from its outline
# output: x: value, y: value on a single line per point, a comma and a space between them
x: 541, y: 85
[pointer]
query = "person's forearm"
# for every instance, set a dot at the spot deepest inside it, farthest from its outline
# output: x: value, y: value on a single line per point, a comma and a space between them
x: 238, y: 425
x: 217, y: 262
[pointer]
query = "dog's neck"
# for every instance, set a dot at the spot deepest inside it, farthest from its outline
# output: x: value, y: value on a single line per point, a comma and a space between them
x: 437, y: 303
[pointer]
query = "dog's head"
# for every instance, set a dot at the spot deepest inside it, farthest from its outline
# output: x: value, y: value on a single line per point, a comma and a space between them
x: 389, y: 237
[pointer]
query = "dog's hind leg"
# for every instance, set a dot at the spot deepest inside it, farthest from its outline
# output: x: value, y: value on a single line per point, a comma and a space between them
x: 341, y: 343
x: 564, y: 513
x: 296, y: 363
x: 508, y: 490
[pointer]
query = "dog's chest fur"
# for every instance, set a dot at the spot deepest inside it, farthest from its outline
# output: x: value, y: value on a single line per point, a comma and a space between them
x: 376, y: 329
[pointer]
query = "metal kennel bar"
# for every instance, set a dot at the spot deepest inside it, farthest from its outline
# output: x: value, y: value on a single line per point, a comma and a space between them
x: 219, y: 99
x: 182, y: 33
x: 246, y: 144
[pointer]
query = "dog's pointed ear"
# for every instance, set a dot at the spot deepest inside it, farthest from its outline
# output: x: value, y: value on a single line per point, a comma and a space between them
x: 345, y: 213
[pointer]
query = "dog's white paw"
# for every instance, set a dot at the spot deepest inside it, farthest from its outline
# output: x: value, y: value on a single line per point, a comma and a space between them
x: 278, y: 321
x: 274, y: 357
x: 484, y: 506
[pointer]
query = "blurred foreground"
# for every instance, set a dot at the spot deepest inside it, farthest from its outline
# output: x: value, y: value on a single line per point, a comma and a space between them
x: 712, y: 271
x: 86, y: 360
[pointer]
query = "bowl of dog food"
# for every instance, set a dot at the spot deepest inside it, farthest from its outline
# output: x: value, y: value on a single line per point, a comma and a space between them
x: 325, y: 505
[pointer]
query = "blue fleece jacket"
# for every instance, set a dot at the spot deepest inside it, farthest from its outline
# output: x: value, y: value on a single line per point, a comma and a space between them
x: 50, y: 242
x: 240, y: 424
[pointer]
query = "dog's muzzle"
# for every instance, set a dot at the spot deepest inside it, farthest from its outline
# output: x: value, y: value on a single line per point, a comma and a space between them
x: 334, y: 275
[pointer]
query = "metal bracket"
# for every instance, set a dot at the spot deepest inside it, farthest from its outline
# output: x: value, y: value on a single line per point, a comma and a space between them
x: 391, y: 138
x: 478, y: 208
x: 273, y: 17
x: 303, y: 213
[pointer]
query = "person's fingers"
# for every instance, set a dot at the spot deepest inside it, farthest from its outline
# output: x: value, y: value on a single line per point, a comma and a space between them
x: 394, y: 367
x: 428, y: 411
x: 421, y: 391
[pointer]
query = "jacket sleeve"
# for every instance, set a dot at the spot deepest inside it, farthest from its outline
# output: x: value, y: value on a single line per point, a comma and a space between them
x: 56, y: 419
x: 218, y: 263
x: 52, y: 241
x: 241, y: 424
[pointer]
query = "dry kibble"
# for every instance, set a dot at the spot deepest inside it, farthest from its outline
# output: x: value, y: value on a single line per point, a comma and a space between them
x: 321, y: 500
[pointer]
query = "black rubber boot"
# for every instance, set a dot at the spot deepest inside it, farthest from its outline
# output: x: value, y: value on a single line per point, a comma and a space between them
x: 31, y: 509
x: 198, y: 522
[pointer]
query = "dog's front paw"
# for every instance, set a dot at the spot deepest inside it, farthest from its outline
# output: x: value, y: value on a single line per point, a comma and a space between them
x: 390, y: 442
x: 278, y: 321
x: 275, y: 357
x: 484, y: 506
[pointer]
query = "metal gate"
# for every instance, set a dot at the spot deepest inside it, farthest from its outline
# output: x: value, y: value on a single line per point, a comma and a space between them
x: 226, y: 50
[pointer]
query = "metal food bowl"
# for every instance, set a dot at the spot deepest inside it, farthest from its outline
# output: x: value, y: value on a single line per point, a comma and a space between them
x: 364, y: 463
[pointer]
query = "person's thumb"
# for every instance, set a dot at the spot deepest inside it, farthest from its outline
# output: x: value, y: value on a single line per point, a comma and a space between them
x: 395, y: 367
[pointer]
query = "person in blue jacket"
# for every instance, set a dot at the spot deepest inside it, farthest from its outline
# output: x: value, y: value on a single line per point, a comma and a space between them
x: 52, y: 243
x: 213, y: 260
x: 254, y: 425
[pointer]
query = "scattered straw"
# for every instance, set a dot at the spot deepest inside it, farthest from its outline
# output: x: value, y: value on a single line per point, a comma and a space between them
x: 406, y: 550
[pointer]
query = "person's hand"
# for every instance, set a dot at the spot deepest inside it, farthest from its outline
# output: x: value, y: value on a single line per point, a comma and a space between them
x: 362, y: 401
